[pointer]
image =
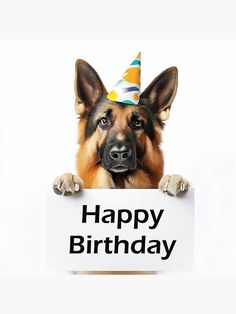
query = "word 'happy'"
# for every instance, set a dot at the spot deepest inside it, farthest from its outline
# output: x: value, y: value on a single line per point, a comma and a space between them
x: 86, y: 244
x: 124, y: 216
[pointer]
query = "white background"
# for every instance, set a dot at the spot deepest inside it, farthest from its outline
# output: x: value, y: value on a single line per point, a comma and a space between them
x: 160, y: 19
x: 38, y: 136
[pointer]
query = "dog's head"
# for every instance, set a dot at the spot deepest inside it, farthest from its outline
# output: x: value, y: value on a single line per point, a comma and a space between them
x: 119, y: 134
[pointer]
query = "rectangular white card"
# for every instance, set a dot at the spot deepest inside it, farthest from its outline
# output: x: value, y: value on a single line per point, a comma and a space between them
x: 120, y: 230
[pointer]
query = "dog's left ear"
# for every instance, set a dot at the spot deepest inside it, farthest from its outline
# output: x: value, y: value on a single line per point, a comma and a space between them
x: 161, y: 93
x: 88, y: 87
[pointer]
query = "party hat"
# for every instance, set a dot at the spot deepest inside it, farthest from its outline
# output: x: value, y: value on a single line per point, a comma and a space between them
x: 127, y: 89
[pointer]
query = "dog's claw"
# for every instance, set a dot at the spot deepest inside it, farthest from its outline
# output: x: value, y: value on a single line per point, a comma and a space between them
x: 173, y: 184
x: 57, y: 190
x: 67, y: 184
x: 76, y: 187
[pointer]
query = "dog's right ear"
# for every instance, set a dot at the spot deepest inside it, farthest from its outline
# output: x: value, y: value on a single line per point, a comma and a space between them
x: 161, y: 93
x: 88, y: 87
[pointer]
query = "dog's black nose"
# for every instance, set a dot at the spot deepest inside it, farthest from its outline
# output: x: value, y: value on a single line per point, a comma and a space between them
x: 120, y: 154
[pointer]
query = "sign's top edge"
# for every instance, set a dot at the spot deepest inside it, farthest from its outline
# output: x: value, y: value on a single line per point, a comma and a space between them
x: 190, y: 189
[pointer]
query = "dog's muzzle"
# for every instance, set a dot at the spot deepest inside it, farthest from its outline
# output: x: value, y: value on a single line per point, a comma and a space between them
x: 119, y: 159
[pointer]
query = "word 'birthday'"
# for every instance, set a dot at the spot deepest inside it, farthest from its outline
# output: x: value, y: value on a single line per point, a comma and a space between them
x: 81, y: 244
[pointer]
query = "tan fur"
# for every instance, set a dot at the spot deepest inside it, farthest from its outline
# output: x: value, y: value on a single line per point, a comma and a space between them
x: 120, y: 136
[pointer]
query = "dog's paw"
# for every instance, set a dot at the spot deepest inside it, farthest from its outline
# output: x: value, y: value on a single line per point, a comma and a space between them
x: 173, y: 184
x: 67, y: 184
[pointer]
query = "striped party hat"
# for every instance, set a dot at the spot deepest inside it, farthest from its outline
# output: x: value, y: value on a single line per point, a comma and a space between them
x: 127, y: 90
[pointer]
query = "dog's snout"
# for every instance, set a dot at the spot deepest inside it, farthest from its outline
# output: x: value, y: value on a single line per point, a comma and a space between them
x: 119, y: 157
x: 120, y: 154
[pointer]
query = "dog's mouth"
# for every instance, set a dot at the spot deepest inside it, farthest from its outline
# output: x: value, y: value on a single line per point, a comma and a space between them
x: 119, y: 169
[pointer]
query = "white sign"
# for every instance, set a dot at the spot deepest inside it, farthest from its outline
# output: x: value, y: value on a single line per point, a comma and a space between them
x: 120, y: 230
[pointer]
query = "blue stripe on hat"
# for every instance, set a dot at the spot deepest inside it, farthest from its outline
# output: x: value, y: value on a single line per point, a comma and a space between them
x: 130, y: 89
x: 129, y: 102
x: 136, y: 62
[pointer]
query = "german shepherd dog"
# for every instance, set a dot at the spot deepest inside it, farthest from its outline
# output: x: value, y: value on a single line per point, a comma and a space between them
x: 119, y: 145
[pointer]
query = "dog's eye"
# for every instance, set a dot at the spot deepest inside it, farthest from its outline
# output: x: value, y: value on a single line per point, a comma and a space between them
x: 138, y: 124
x: 104, y: 122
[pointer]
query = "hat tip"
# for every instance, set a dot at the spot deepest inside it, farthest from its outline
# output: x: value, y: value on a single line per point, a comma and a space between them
x: 138, y: 55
